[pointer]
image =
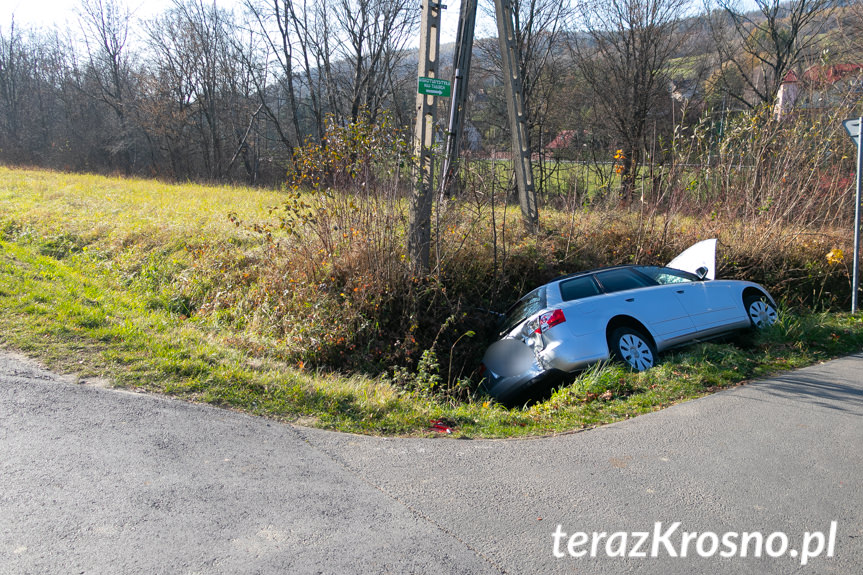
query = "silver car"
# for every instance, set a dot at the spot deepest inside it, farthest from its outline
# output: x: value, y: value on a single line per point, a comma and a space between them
x: 627, y: 312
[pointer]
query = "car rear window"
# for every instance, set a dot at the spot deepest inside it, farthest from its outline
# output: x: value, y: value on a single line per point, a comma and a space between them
x: 622, y: 279
x: 578, y: 288
x: 524, y: 308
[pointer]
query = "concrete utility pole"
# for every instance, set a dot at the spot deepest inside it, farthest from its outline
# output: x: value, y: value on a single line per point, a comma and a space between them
x: 517, y: 114
x: 419, y: 233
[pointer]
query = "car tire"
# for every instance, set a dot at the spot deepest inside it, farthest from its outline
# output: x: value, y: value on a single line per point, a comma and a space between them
x: 761, y: 312
x: 633, y: 348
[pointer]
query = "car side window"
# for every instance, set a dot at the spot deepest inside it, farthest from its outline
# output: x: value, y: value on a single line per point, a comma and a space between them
x: 665, y: 276
x: 578, y: 288
x: 622, y: 279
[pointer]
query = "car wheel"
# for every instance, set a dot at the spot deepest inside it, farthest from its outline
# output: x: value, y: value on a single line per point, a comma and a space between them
x: 633, y: 347
x: 761, y: 312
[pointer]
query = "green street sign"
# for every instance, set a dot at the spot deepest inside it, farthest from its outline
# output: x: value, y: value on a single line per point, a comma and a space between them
x: 433, y: 87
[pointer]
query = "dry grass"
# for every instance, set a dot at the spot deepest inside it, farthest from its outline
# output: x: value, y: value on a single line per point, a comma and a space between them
x: 300, y: 303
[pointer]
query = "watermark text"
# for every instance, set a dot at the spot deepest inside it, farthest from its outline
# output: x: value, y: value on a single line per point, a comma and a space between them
x: 669, y: 540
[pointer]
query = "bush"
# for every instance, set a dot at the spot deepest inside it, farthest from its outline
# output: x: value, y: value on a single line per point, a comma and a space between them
x: 332, y: 285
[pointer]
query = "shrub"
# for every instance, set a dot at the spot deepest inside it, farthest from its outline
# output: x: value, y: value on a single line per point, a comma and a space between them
x: 332, y: 285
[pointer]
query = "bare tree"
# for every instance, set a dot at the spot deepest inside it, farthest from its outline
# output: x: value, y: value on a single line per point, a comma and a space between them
x: 623, y: 56
x: 277, y: 23
x: 850, y: 23
x: 43, y: 120
x: 105, y: 26
x: 328, y: 57
x: 762, y: 46
x: 540, y: 25
x: 206, y: 87
x: 368, y: 44
x: 12, y: 64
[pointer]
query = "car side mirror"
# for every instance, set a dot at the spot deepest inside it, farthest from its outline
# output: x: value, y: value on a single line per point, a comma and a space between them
x: 701, y: 272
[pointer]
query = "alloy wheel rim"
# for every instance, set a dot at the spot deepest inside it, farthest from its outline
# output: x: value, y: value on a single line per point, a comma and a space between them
x: 762, y: 314
x: 636, y: 352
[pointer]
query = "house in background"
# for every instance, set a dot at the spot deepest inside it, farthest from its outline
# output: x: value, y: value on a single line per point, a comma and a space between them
x: 562, y: 145
x: 787, y: 96
x: 818, y: 87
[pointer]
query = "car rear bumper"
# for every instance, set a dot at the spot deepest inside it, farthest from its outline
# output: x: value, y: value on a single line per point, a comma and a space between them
x: 522, y: 387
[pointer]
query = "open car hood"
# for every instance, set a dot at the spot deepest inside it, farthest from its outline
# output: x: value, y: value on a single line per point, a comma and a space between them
x: 702, y: 254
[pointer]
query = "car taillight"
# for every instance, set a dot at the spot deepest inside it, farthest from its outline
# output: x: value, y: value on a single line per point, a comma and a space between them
x: 549, y: 320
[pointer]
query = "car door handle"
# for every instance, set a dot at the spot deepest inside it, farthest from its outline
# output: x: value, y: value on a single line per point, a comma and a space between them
x: 630, y: 299
x: 681, y: 291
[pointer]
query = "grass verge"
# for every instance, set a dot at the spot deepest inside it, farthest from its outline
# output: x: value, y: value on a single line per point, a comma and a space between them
x: 89, y: 276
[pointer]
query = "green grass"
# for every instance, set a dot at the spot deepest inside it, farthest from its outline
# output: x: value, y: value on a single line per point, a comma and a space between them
x: 559, y: 178
x: 562, y: 177
x: 100, y: 277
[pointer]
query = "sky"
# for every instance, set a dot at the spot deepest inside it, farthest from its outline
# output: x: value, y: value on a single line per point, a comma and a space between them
x: 48, y: 13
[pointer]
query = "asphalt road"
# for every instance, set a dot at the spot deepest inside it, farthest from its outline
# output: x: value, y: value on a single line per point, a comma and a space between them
x: 94, y: 480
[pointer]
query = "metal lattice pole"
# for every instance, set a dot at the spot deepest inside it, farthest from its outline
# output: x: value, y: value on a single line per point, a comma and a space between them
x: 461, y: 76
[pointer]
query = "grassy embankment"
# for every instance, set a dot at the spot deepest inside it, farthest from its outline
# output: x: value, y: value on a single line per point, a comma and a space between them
x: 151, y: 286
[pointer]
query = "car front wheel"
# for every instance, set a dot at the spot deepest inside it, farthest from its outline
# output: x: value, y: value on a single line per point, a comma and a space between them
x: 760, y: 311
x: 633, y: 347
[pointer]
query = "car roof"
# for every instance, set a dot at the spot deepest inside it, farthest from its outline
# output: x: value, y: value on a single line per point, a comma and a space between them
x: 593, y: 271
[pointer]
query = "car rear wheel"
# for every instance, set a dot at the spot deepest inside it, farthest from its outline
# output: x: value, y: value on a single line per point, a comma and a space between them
x: 633, y: 348
x: 761, y: 312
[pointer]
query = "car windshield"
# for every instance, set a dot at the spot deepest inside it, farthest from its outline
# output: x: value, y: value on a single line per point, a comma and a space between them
x: 524, y: 308
x: 665, y: 276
